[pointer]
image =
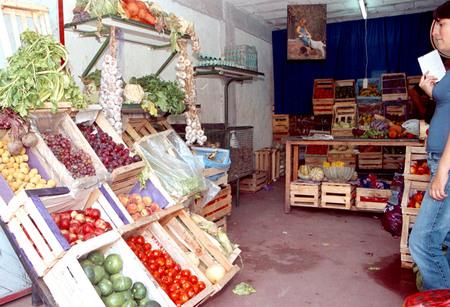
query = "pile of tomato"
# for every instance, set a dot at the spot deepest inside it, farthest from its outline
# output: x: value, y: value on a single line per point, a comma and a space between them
x: 419, y: 168
x: 180, y: 285
x: 415, y: 201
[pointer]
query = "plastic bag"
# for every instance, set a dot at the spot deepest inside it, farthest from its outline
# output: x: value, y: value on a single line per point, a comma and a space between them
x: 63, y: 124
x: 171, y: 162
x: 392, y: 219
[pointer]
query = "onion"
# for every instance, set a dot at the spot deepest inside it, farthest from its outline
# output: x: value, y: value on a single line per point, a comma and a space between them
x: 15, y: 147
x: 215, y: 273
x: 29, y: 140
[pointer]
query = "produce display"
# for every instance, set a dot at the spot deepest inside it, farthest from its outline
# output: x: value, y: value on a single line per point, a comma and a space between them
x: 370, y: 91
x: 415, y: 201
x: 338, y: 172
x: 138, y: 206
x: 179, y: 284
x: 139, y: 11
x: 307, y: 173
x: 419, y: 167
x: 17, y: 173
x: 342, y: 92
x: 366, y: 113
x: 111, y: 154
x: 114, y: 288
x: 77, y: 161
x: 111, y: 89
x: 80, y: 225
x: 37, y: 74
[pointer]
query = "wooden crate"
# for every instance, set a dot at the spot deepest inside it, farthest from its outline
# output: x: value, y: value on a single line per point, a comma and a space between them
x: 283, y: 124
x: 217, y: 208
x: 221, y: 173
x: 410, y: 188
x: 363, y: 204
x: 373, y: 89
x: 136, y: 128
x: 347, y: 84
x: 370, y: 160
x: 190, y: 238
x: 413, y: 81
x: 222, y: 222
x: 254, y: 183
x: 123, y: 178
x: 393, y: 87
x: 348, y: 157
x: 397, y: 109
x: 393, y: 161
x: 305, y: 194
x: 323, y: 96
x: 414, y: 154
x: 40, y: 239
x: 62, y: 123
x: 268, y: 160
x: 405, y: 255
x: 337, y: 195
x: 343, y: 113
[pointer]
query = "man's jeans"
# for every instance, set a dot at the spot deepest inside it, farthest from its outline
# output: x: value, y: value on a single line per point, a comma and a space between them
x: 429, y: 234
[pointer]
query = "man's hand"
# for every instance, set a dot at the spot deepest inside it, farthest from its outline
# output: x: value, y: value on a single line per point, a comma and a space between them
x: 427, y: 83
x: 438, y: 184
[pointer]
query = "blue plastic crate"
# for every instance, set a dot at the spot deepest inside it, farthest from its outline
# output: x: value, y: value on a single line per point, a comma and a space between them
x: 221, y: 160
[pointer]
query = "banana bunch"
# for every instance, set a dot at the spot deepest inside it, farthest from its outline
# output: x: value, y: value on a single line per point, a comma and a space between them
x: 327, y: 164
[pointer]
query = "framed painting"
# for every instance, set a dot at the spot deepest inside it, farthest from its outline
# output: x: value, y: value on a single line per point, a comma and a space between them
x: 306, y: 32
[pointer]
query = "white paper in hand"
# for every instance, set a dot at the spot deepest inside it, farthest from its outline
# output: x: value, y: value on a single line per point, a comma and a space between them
x: 432, y: 63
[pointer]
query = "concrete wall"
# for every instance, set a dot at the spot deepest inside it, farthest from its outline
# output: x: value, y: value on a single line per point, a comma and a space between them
x: 218, y: 24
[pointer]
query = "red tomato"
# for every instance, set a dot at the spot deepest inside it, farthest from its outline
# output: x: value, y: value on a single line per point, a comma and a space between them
x: 165, y: 280
x: 186, y: 285
x: 153, y: 267
x: 191, y: 293
x: 196, y: 288
x: 174, y: 296
x: 171, y: 273
x: 140, y: 240
x: 169, y: 263
x: 184, y: 297
x: 161, y: 262
x: 156, y: 274
x: 193, y: 279
x: 161, y: 271
x: 156, y: 253
x: 147, y: 247
x: 201, y: 285
x: 185, y: 273
x: 177, y: 277
x: 174, y: 287
x: 177, y: 268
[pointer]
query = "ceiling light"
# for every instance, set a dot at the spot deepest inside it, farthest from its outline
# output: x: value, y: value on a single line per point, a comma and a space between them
x: 362, y: 6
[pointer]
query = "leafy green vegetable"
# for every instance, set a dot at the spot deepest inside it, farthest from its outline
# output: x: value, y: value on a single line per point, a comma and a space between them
x: 166, y: 95
x: 243, y: 289
x: 35, y: 75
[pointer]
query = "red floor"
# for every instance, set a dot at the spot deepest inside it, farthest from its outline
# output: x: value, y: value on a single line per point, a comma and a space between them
x: 311, y: 257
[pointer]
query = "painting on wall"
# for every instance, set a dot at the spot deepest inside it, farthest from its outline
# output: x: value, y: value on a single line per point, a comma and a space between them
x: 306, y: 32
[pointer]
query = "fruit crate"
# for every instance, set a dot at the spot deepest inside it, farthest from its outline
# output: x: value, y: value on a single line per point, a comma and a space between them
x: 410, y: 189
x: 370, y: 157
x: 363, y: 201
x: 337, y: 195
x: 283, y: 124
x: 61, y: 123
x: 254, y: 183
x: 344, y: 119
x: 367, y: 113
x: 348, y: 156
x: 370, y: 94
x: 159, y: 238
x: 28, y: 218
x: 393, y: 87
x: 191, y: 239
x: 323, y: 96
x: 405, y: 255
x: 415, y: 156
x: 68, y: 282
x: 268, y: 160
x: 305, y: 194
x: 123, y: 178
x: 136, y: 128
x: 344, y: 91
x: 217, y: 208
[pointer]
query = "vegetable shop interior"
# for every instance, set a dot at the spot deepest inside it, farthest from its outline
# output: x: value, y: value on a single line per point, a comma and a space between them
x: 217, y: 153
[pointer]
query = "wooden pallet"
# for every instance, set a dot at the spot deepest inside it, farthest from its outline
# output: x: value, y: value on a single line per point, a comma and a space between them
x: 365, y: 205
x: 254, y: 183
x: 268, y: 160
x: 217, y: 208
x: 305, y: 194
x: 337, y: 195
x: 62, y: 123
x: 190, y: 238
x: 29, y: 220
x: 393, y: 161
x: 410, y: 188
x: 136, y: 128
x: 392, y: 92
x: 414, y: 154
x: 370, y: 160
x: 344, y: 83
x: 123, y: 178
x: 405, y: 255
x: 158, y: 237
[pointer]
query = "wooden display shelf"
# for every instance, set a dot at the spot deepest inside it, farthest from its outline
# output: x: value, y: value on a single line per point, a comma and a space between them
x: 337, y: 195
x: 305, y: 194
x: 415, y: 154
x: 405, y: 255
x: 366, y: 205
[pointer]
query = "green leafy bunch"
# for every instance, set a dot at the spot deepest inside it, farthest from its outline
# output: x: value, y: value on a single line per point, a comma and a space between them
x: 166, y: 95
x: 35, y: 75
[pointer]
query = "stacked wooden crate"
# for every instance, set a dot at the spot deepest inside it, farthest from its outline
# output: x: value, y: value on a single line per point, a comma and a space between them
x: 370, y: 157
x: 254, y: 183
x: 218, y: 209
x: 337, y: 195
x: 268, y: 160
x: 323, y: 97
x: 344, y: 119
x: 305, y: 194
x: 344, y: 91
x: 283, y: 125
x: 416, y: 183
x: 393, y: 87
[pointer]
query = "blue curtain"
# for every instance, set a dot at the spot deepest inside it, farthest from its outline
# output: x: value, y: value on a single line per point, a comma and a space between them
x: 393, y: 45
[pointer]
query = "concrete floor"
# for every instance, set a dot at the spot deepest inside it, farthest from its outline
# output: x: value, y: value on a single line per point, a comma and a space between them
x: 310, y: 257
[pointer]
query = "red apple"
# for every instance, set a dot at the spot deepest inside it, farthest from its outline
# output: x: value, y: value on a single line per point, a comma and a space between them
x: 80, y: 218
x: 64, y: 223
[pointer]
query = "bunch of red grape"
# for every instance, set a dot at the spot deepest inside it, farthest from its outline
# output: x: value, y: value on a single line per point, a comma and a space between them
x: 111, y: 154
x: 77, y: 162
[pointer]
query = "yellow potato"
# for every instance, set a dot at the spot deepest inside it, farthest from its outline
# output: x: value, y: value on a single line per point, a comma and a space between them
x: 26, y: 178
x: 6, y: 154
x: 34, y: 180
x: 14, y: 186
x: 33, y: 172
x: 5, y: 159
x: 24, y: 165
x: 40, y: 186
x: 24, y: 170
x: 2, y: 167
x: 24, y: 158
x: 11, y: 171
x: 43, y: 181
x: 51, y: 183
x: 30, y: 186
x: 16, y: 165
x: 4, y: 172
x: 10, y: 178
x: 20, y: 176
x: 2, y: 151
x: 11, y: 160
x: 2, y: 144
x: 18, y: 159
